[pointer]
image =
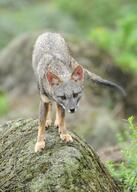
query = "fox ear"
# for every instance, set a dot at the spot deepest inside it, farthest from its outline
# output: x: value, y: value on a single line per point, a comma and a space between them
x: 78, y: 74
x: 52, y: 78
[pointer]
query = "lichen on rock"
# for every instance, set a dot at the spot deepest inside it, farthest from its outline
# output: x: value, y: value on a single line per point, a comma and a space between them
x: 60, y: 167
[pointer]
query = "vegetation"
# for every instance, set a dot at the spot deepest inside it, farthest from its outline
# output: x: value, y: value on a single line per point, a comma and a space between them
x: 120, y: 43
x: 111, y: 25
x: 126, y: 172
x: 3, y: 104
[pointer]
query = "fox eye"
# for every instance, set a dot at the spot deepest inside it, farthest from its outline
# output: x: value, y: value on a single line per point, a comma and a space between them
x: 63, y: 97
x: 75, y: 95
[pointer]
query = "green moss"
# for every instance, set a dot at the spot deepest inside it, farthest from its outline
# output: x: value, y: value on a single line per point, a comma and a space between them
x: 60, y: 167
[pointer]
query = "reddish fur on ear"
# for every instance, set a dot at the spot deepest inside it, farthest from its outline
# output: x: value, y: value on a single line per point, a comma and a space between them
x: 78, y: 73
x: 52, y: 78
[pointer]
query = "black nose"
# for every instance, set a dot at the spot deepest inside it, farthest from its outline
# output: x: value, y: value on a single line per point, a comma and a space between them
x: 72, y: 110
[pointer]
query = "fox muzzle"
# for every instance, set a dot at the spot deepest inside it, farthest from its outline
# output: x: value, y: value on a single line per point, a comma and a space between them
x: 72, y: 110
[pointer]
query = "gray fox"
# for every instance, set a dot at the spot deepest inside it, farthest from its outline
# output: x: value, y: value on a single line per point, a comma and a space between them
x: 60, y: 78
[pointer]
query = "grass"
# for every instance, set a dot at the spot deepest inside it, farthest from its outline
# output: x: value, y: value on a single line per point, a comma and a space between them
x: 126, y: 172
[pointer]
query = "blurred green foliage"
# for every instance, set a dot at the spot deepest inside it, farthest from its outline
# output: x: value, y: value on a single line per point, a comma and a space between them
x: 92, y: 13
x: 3, y: 104
x: 34, y: 17
x: 14, y: 4
x: 111, y: 25
x: 127, y: 170
x: 119, y: 43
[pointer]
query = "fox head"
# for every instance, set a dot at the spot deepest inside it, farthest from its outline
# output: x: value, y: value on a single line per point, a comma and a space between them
x: 67, y: 93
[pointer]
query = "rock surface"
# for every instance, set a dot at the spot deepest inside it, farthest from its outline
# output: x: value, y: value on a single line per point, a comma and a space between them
x: 60, y: 167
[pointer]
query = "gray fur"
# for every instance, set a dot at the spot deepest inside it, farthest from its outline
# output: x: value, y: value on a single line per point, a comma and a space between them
x: 51, y: 53
x: 70, y: 89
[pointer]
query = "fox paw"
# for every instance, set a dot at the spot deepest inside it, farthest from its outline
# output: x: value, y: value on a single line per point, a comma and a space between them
x: 66, y: 137
x: 48, y: 123
x: 56, y: 124
x: 39, y: 146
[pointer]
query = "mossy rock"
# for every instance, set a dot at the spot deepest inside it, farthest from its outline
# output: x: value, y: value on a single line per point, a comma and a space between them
x: 60, y: 167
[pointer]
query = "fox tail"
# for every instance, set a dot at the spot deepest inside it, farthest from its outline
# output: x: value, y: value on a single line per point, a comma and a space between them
x: 97, y: 79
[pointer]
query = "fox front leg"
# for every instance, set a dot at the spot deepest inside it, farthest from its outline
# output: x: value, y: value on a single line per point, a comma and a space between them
x: 44, y: 120
x: 60, y: 123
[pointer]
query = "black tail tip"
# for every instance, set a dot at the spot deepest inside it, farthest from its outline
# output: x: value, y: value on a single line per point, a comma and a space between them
x: 124, y: 93
x: 121, y: 90
x: 116, y: 86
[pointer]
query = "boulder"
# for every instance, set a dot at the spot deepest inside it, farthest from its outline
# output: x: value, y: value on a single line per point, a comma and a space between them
x: 60, y: 167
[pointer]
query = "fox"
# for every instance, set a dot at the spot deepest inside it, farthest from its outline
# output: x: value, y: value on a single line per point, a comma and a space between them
x: 60, y: 79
